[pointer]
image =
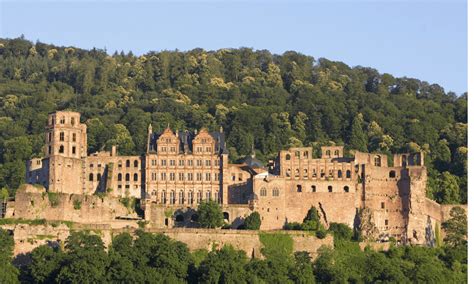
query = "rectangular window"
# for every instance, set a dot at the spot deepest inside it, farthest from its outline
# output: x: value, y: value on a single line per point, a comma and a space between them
x: 208, y: 176
x: 163, y: 149
x: 73, y: 150
x: 172, y: 163
x: 173, y: 149
x: 382, y: 205
x: 153, y: 162
x: 153, y: 176
x: 216, y: 163
x: 163, y: 176
x: 172, y: 176
x: 190, y: 163
x: 216, y: 176
x: 199, y: 163
x: 199, y: 176
x: 163, y: 162
x: 74, y: 137
x: 181, y: 176
x: 61, y: 136
x: 208, y: 163
x: 190, y: 176
x: 181, y: 163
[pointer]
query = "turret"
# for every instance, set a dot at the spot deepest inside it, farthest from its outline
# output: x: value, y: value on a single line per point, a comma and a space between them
x: 65, y: 135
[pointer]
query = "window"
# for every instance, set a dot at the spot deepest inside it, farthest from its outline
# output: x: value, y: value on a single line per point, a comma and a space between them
x: 216, y: 162
x: 163, y: 162
x: 181, y: 176
x: 299, y: 188
x: 180, y: 218
x: 240, y: 177
x: 377, y: 161
x: 313, y: 188
x: 208, y: 163
x: 172, y: 149
x: 216, y: 176
x: 288, y: 157
x: 120, y: 164
x: 382, y: 205
x: 74, y: 137
x: 386, y: 222
x: 163, y: 176
x: 336, y: 153
x: 61, y: 136
x: 348, y: 174
x: 61, y: 149
x: 339, y: 174
x: 172, y: 197
x: 275, y: 192
x: 163, y: 149
x: 135, y: 164
x: 172, y: 176
x: 297, y: 154
x: 91, y: 177
x: 181, y: 198
x: 153, y: 162
x: 73, y: 120
x: 328, y: 153
x: 208, y: 196
x: 190, y: 163
x: 73, y: 150
x: 119, y: 177
x: 163, y: 197
x: 263, y: 191
x: 127, y: 177
x: 199, y: 197
x: 190, y: 176
x: 99, y: 176
x: 208, y: 176
x: 199, y: 176
x: 305, y: 154
x: 49, y: 137
x: 62, y: 120
x: 190, y: 197
x: 330, y: 188
x: 135, y: 177
x: 199, y: 163
x: 346, y: 188
x: 322, y: 173
x: 172, y: 163
x: 392, y: 174
x: 49, y: 150
x: 181, y: 163
x: 153, y: 176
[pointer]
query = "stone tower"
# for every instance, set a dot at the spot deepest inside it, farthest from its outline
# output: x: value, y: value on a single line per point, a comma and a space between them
x: 66, y: 145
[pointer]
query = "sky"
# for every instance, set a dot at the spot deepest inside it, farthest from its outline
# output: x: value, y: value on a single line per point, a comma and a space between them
x: 421, y: 39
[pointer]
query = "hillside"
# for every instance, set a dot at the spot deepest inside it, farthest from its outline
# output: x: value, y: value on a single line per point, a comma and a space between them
x: 263, y: 101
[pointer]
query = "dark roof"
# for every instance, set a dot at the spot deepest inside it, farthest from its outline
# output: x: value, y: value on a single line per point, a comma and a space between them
x: 253, y: 162
x: 186, y: 141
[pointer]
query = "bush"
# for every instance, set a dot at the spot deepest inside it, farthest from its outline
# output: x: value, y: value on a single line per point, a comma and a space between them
x: 53, y: 198
x: 292, y: 226
x: 252, y: 222
x: 210, y: 214
x: 77, y: 204
x: 321, y: 233
x: 341, y: 231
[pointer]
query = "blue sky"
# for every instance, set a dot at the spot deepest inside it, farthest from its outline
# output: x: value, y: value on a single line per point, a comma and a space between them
x: 426, y: 40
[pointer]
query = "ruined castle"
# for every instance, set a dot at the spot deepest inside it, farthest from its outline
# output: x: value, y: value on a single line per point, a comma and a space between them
x: 182, y: 169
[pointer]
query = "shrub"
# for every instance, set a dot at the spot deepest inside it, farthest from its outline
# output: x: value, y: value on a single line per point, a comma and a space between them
x: 53, y: 199
x: 321, y: 233
x: 77, y: 204
x: 341, y: 231
x: 252, y: 222
x: 292, y: 226
x: 210, y: 214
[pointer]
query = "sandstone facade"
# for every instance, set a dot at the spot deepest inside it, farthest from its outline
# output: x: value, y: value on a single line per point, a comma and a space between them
x: 181, y: 169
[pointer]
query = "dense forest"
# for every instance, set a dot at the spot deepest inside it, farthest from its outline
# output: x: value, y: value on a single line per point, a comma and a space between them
x: 155, y: 258
x: 265, y: 102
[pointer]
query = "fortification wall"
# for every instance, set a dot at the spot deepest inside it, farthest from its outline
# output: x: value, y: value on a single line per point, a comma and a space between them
x: 33, y: 202
x: 28, y: 237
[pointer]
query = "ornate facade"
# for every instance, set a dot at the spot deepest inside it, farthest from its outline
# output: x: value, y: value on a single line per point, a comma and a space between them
x: 181, y: 169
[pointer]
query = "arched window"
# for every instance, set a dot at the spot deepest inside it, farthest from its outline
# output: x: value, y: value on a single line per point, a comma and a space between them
x: 172, y: 197
x: 297, y: 154
x: 346, y: 188
x: 163, y: 197
x: 91, y: 177
x: 61, y: 149
x: 392, y: 174
x: 119, y: 177
x: 98, y: 177
x: 226, y: 216
x: 328, y: 153
x: 127, y: 177
x: 127, y: 163
x: 348, y: 174
x: 194, y: 217
x: 135, y: 177
x: 135, y: 164
x: 263, y: 191
x: 275, y: 192
x: 313, y: 188
x: 378, y: 161
x: 119, y: 164
x: 62, y: 120
x: 305, y: 154
x: 190, y: 197
x: 339, y: 174
x: 330, y: 188
x: 179, y: 218
x: 336, y: 153
x: 288, y: 157
x: 181, y: 197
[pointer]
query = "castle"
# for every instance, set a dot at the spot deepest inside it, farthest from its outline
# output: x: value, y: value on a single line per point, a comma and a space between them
x: 182, y: 169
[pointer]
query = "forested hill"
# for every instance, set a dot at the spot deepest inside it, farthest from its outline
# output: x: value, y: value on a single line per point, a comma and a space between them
x: 262, y: 100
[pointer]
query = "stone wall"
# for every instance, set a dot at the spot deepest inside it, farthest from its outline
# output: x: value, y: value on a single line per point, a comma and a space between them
x: 28, y: 237
x: 33, y: 202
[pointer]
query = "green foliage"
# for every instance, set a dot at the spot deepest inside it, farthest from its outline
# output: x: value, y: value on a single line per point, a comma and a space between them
x: 341, y: 231
x: 276, y: 245
x: 252, y: 222
x: 223, y: 266
x: 77, y: 204
x: 210, y: 214
x: 456, y: 228
x: 8, y: 273
x: 53, y: 198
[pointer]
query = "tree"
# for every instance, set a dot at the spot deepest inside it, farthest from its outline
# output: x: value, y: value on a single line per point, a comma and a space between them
x: 223, y: 266
x: 8, y: 273
x: 449, y: 192
x: 252, y: 222
x: 302, y: 272
x: 210, y: 214
x: 358, y: 138
x: 45, y: 264
x: 456, y: 227
x: 341, y: 231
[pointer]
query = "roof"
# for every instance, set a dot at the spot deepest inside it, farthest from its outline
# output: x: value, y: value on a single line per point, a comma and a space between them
x: 186, y: 141
x: 253, y: 162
